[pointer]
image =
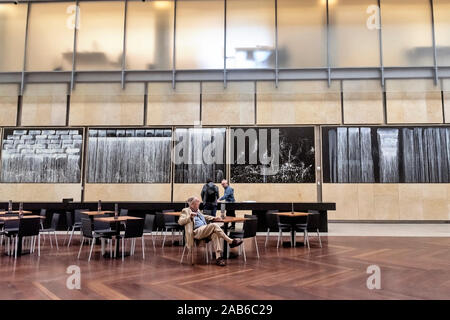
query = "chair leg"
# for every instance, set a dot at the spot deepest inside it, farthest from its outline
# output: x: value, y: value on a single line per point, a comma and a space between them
x: 39, y: 245
x: 50, y: 237
x: 320, y: 241
x: 243, y: 250
x: 123, y: 249
x: 267, y: 237
x: 143, y: 247
x: 92, y: 247
x: 206, y: 253
x: 182, y: 255
x: 307, y: 238
x: 17, y: 245
x: 256, y: 244
x: 81, y: 247
x: 278, y: 241
x: 164, y: 239
x: 71, y: 235
x: 153, y: 240
x: 56, y: 241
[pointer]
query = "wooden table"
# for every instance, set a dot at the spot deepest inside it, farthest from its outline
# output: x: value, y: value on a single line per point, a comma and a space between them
x: 16, y: 212
x: 96, y: 213
x: 19, y: 245
x: 293, y: 215
x: 116, y: 221
x: 175, y: 214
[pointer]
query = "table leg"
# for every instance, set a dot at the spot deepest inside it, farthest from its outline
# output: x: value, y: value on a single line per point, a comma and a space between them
x: 19, y: 247
x: 225, y: 244
x: 293, y: 244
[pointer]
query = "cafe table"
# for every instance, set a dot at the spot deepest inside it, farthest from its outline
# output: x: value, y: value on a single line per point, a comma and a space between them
x: 116, y: 221
x: 19, y: 245
x: 16, y: 212
x: 227, y: 220
x: 293, y: 215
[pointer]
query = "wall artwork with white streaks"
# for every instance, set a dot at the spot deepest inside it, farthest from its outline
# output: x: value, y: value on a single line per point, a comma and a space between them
x: 386, y: 154
x: 272, y: 155
x: 42, y: 155
x: 129, y: 155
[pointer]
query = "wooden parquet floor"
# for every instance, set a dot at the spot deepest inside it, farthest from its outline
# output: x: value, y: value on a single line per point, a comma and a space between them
x: 411, y: 268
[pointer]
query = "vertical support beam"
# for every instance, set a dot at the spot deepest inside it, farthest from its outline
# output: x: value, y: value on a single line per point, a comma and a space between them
x: 276, y: 44
x: 172, y: 163
x: 174, y: 43
x: 22, y: 81
x: 75, y: 35
x: 85, y: 155
x: 318, y: 160
x: 436, y: 73
x: 225, y: 44
x: 380, y: 38
x: 124, y: 45
x: 328, y: 45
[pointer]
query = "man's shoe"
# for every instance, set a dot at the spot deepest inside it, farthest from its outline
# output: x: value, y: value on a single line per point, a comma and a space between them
x: 235, y: 243
x: 220, y: 262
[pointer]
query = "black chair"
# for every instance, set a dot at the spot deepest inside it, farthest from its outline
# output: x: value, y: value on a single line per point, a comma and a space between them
x: 273, y: 224
x: 166, y: 223
x: 149, y: 226
x: 299, y: 223
x: 103, y: 228
x: 313, y: 225
x: 54, y: 225
x: 133, y: 229
x: 88, y: 233
x: 69, y: 223
x: 76, y: 223
x: 10, y: 229
x: 28, y: 228
x: 249, y: 231
x: 123, y: 212
x: 43, y: 214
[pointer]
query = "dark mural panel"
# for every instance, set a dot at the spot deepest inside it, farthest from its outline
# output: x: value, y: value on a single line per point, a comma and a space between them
x: 129, y: 155
x: 200, y: 155
x: 42, y: 156
x: 386, y: 154
x: 272, y: 155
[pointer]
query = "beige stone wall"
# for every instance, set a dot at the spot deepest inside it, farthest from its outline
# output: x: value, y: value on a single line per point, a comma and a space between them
x: 388, y: 201
x: 298, y: 102
x: 8, y: 104
x: 234, y: 105
x: 413, y: 101
x: 39, y: 192
x: 168, y: 106
x: 275, y: 192
x: 127, y: 192
x: 44, y: 105
x: 363, y: 102
x: 105, y: 104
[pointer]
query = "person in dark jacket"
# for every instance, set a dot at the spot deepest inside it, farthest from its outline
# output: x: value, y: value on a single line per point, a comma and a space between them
x: 210, y: 194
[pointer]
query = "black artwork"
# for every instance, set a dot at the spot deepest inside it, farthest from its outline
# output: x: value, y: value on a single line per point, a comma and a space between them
x: 200, y: 155
x: 129, y: 155
x: 42, y: 156
x: 272, y: 155
x: 386, y: 154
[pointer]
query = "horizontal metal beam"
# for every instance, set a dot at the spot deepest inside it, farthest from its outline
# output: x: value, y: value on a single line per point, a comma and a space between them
x: 232, y: 75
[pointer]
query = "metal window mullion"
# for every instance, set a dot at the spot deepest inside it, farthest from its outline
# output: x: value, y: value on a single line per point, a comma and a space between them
x: 124, y: 44
x: 328, y: 45
x: 433, y: 30
x: 174, y: 43
x: 380, y: 36
x: 276, y: 43
x: 22, y: 80
x: 224, y: 43
x: 75, y: 36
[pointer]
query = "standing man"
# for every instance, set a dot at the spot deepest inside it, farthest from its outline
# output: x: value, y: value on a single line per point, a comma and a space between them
x: 228, y: 194
x: 210, y: 194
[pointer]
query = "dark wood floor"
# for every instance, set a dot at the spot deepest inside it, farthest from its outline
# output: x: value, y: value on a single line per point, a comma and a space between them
x: 411, y: 268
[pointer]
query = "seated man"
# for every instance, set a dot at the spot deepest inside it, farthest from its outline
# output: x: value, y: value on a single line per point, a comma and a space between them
x: 197, y: 227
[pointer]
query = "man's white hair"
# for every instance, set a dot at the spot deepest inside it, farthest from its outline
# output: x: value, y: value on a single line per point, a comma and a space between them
x: 192, y: 199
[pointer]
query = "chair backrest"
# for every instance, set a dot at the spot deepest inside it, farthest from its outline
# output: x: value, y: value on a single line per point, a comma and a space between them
x: 313, y: 221
x: 11, y: 224
x: 250, y: 216
x: 160, y: 222
x: 69, y: 219
x: 272, y: 219
x: 134, y: 228
x: 294, y: 220
x: 29, y: 227
x: 123, y: 212
x: 101, y: 225
x: 250, y: 228
x: 86, y: 227
x: 169, y: 219
x: 55, y: 220
x: 43, y: 213
x: 149, y: 222
x: 78, y: 215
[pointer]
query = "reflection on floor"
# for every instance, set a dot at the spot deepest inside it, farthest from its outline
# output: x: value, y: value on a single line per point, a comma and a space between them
x: 411, y: 268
